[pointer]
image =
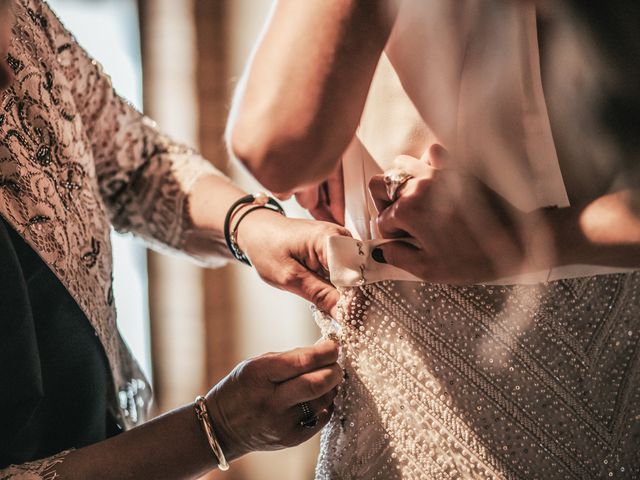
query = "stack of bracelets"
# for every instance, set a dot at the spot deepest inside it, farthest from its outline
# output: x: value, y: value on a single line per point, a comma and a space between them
x: 238, y: 211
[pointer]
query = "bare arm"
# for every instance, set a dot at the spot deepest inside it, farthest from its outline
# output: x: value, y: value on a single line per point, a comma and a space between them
x: 304, y: 90
x: 171, y: 446
x: 253, y: 408
x: 605, y: 231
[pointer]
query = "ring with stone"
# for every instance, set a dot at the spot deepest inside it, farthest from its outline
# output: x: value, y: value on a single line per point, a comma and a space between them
x: 309, y: 419
x: 393, y: 180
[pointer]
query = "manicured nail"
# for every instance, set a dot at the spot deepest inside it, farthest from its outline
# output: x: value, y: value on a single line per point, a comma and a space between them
x: 378, y: 255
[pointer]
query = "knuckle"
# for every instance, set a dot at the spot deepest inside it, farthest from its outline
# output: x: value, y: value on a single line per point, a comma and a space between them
x: 413, y: 201
x: 245, y: 366
x: 391, y: 215
x: 288, y: 277
x: 344, y: 232
x: 420, y: 193
x: 400, y: 208
x: 302, y: 360
x: 408, y: 206
x: 251, y: 367
x: 331, y: 229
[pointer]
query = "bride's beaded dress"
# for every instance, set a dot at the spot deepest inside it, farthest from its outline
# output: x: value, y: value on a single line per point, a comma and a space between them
x: 535, y: 377
x: 527, y: 381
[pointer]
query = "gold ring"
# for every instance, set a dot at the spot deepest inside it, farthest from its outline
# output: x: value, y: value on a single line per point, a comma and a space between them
x: 393, y: 180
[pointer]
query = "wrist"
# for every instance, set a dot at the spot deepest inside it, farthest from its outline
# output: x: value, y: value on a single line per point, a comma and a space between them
x: 231, y: 446
x: 255, y: 227
x: 237, y: 212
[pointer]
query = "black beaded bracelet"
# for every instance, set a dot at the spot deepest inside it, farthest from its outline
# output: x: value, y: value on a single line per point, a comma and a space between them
x: 258, y: 200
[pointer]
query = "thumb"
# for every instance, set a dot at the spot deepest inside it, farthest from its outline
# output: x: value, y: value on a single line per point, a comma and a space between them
x: 437, y: 157
x: 402, y: 255
x: 314, y: 289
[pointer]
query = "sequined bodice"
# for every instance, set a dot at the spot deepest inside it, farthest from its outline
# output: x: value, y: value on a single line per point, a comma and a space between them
x: 507, y: 382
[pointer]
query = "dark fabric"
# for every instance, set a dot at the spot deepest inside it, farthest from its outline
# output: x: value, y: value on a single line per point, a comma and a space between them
x: 54, y: 376
x: 613, y: 28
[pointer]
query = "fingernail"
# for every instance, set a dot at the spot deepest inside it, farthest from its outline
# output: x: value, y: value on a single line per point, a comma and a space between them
x: 378, y: 255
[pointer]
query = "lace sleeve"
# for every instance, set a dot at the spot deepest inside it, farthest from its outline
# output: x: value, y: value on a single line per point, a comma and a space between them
x: 45, y: 469
x: 144, y: 177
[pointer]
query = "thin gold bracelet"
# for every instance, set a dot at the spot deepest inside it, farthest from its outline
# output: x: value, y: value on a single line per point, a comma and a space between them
x: 205, y: 422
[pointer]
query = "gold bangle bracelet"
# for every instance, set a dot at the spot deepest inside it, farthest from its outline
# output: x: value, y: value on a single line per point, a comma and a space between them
x: 205, y: 422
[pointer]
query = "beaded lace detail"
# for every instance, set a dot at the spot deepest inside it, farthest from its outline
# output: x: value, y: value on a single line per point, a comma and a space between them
x: 39, y: 470
x: 488, y: 382
x: 75, y: 158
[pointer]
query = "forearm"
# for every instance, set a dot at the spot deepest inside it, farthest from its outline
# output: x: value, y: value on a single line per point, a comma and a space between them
x: 304, y: 91
x: 254, y: 408
x: 169, y: 447
x: 605, y: 231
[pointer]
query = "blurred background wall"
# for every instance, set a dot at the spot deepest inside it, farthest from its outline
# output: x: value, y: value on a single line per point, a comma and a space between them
x: 179, y: 61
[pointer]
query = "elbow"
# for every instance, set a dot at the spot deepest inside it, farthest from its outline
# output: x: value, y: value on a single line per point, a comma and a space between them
x: 259, y: 157
x: 282, y: 163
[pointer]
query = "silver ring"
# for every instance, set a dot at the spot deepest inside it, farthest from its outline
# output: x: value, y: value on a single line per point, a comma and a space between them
x: 393, y: 180
x: 309, y: 419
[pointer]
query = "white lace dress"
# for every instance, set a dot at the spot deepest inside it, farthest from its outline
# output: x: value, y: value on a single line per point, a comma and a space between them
x: 536, y: 377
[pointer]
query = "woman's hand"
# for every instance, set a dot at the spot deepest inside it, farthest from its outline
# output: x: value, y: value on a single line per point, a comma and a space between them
x: 465, y: 232
x: 290, y: 254
x: 256, y: 407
